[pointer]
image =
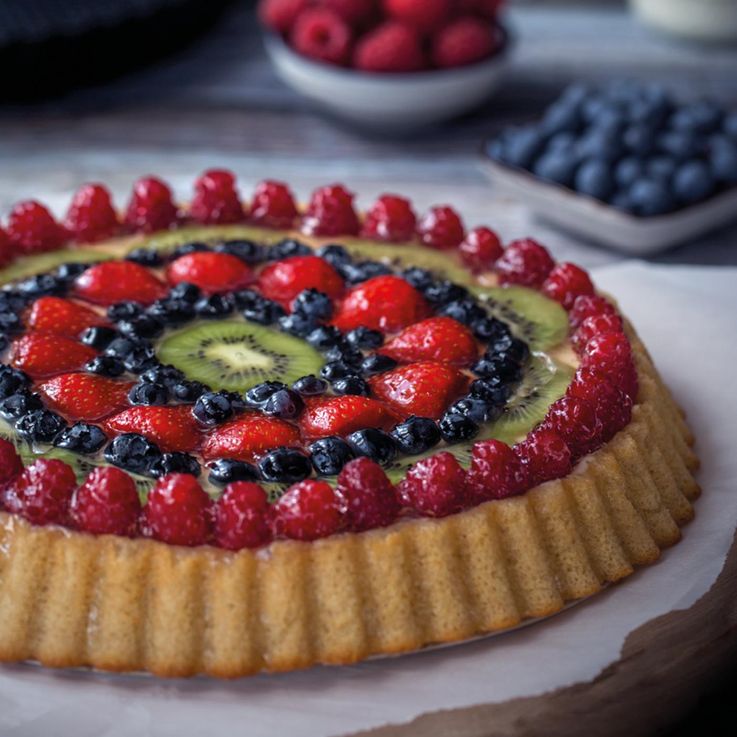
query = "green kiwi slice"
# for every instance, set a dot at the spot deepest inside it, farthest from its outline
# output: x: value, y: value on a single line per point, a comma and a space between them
x: 44, y: 262
x: 167, y: 240
x: 236, y: 355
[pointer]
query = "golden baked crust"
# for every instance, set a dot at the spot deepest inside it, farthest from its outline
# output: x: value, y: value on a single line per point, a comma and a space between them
x: 71, y: 599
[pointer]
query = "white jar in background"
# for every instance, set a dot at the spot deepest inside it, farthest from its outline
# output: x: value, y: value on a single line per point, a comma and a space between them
x: 703, y: 20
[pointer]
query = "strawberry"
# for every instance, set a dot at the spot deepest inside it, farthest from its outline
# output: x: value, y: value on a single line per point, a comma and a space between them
x: 284, y: 280
x: 86, y: 397
x: 171, y: 428
x: 343, y: 415
x: 60, y: 316
x: 424, y: 389
x: 248, y: 437
x: 42, y: 355
x: 211, y: 272
x: 386, y: 303
x: 117, y: 281
x: 435, y: 339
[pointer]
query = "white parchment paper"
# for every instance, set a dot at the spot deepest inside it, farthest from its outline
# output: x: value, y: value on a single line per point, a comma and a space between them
x: 688, y: 318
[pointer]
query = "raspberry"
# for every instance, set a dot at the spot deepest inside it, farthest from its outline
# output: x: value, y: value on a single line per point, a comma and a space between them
x: 11, y: 465
x: 486, y: 8
x: 279, y: 15
x: 595, y: 325
x: 524, y: 262
x: 575, y: 420
x: 151, y: 206
x: 44, y: 490
x: 480, y: 249
x: 91, y: 215
x: 390, y: 47
x: 390, y: 219
x: 353, y: 12
x: 331, y: 212
x: 441, y: 228
x: 612, y: 406
x: 609, y: 352
x: 565, y: 283
x: 545, y: 455
x: 216, y: 199
x: 423, y: 15
x: 273, y: 205
x: 588, y: 305
x: 177, y: 511
x: 321, y: 34
x: 107, y: 503
x: 464, y: 41
x: 32, y: 228
x: 7, y: 251
x: 368, y: 495
x: 242, y: 517
x: 495, y: 473
x: 307, y: 511
x: 434, y: 486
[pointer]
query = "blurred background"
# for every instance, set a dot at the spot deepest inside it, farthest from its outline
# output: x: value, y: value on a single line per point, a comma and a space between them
x: 109, y: 90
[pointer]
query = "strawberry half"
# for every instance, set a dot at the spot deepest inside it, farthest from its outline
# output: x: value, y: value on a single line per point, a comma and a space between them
x: 435, y: 339
x: 248, y: 437
x: 41, y: 355
x: 424, y: 389
x: 87, y: 397
x: 343, y: 415
x: 284, y: 280
x: 171, y: 428
x: 60, y: 316
x: 211, y: 272
x: 116, y: 281
x: 386, y: 303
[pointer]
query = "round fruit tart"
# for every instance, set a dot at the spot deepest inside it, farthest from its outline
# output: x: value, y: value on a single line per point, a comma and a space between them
x: 244, y: 436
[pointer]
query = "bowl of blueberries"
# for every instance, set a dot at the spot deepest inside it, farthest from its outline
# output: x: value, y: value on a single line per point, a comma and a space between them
x: 624, y: 164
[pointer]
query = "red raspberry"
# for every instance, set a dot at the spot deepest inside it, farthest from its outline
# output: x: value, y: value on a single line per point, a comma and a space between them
x: 524, y: 262
x: 565, y: 283
x: 545, y: 455
x: 151, y: 206
x: 242, y: 517
x: 177, y: 511
x: 91, y: 215
x: 369, y: 497
x: 331, y: 212
x: 588, y: 305
x: 434, y: 486
x: 595, y: 325
x: 321, y: 34
x: 273, y: 205
x: 496, y: 472
x: 7, y: 251
x: 107, y: 503
x: 353, y: 12
x: 390, y: 47
x: 424, y: 15
x: 462, y: 42
x: 575, y: 420
x: 307, y: 511
x: 441, y: 228
x: 11, y: 465
x: 480, y: 249
x: 32, y: 228
x: 610, y: 353
x: 279, y: 15
x: 486, y: 8
x: 216, y: 200
x: 44, y: 491
x: 390, y: 219
x: 612, y: 406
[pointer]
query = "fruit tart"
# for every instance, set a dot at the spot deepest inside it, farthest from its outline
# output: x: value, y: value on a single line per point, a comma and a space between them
x: 244, y: 436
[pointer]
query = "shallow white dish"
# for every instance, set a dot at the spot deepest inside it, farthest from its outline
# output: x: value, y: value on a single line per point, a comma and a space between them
x: 602, y: 223
x: 703, y: 20
x: 389, y: 100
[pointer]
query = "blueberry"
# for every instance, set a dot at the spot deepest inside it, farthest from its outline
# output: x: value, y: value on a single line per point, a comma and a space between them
x: 284, y: 403
x: 187, y: 391
x: 40, y: 425
x: 491, y: 390
x: 416, y: 435
x: 225, y: 471
x: 556, y: 166
x: 10, y: 322
x: 286, y: 249
x: 363, y: 337
x: 329, y: 455
x: 284, y: 465
x: 563, y: 141
x: 505, y: 369
x: 345, y: 353
x: 12, y: 301
x: 455, y: 427
x: 296, y: 324
x: 17, y: 405
x: 693, y: 181
x: 143, y: 326
x: 213, y: 408
x: 650, y: 197
x: 596, y: 107
x: 186, y: 292
x: 4, y: 342
x: 132, y: 452
x: 324, y: 337
x: 563, y: 115
x: 105, y: 366
x: 489, y: 328
x: 41, y: 285
x: 661, y: 168
x: 334, y: 254
x: 729, y: 125
x: 351, y: 385
x: 520, y: 147
x: 723, y: 160
x: 12, y: 380
x: 81, y: 438
x: 313, y: 303
x: 419, y: 278
x: 144, y: 257
x: 163, y: 374
x: 310, y: 386
x: 70, y: 271
x: 701, y: 117
x: 146, y: 393
x: 336, y: 370
x: 377, y: 363
x: 477, y: 409
x: 174, y: 462
x: 256, y: 308
x: 594, y: 178
x: 186, y: 248
x: 213, y: 306
x: 464, y: 310
x: 98, y: 337
x: 247, y: 251
x: 257, y: 395
x: 140, y: 359
x: 679, y: 144
x: 374, y: 444
x: 599, y: 144
x: 639, y: 139
x: 442, y: 292
x: 124, y: 311
x: 363, y: 271
x: 171, y: 311
x: 509, y: 347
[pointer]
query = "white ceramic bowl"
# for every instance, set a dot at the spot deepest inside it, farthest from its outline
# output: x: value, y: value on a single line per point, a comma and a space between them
x: 389, y: 100
x: 704, y: 20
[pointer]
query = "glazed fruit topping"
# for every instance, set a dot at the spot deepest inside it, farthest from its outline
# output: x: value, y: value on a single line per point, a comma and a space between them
x: 273, y: 205
x: 480, y: 249
x: 367, y: 495
x: 211, y: 272
x: 441, y: 228
x: 390, y: 218
x: 91, y: 216
x: 440, y: 339
x: 284, y: 280
x: 170, y: 428
x: 84, y: 396
x: 116, y: 281
x: 496, y: 472
x: 330, y: 212
x: 31, y: 228
x: 216, y: 199
x: 434, y: 486
x: 243, y: 516
x: 40, y: 355
x: 61, y: 316
x: 107, y: 503
x: 307, y: 511
x: 342, y: 416
x: 545, y: 455
x: 43, y: 491
x: 249, y: 437
x: 524, y: 262
x: 565, y: 283
x: 151, y: 206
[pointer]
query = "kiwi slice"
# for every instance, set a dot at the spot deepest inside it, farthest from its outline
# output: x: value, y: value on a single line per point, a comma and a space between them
x: 236, y: 355
x: 539, y: 321
x: 167, y: 240
x: 44, y: 262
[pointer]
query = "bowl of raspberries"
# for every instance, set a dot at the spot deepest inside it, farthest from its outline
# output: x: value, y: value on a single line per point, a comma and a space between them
x: 388, y: 63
